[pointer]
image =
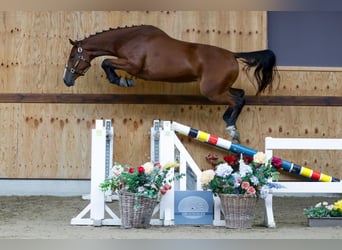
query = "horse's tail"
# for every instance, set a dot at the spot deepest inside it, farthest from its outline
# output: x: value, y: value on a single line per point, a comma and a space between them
x: 264, y: 62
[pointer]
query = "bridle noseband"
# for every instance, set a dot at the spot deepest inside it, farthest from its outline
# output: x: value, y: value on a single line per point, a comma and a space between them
x: 80, y: 58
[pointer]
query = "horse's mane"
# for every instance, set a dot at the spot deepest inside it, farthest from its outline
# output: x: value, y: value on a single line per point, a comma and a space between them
x: 111, y: 29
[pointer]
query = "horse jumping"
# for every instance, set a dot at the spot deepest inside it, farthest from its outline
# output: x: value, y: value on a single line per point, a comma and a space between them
x: 148, y: 53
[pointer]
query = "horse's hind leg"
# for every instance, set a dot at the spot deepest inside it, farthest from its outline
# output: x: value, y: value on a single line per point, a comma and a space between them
x: 235, y: 99
x: 108, y: 66
x: 232, y: 113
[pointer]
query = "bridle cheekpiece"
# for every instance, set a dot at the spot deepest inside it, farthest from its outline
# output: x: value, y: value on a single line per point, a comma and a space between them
x: 80, y: 58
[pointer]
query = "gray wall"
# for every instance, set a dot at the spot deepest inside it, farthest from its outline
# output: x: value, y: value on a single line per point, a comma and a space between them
x: 301, y: 38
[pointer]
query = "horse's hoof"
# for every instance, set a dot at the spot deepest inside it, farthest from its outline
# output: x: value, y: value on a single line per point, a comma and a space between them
x: 234, y: 133
x: 123, y: 82
x: 126, y: 82
x: 130, y: 83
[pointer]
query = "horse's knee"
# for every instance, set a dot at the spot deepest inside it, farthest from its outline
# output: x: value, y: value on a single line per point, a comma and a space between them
x: 110, y: 73
x: 106, y: 64
x: 219, y: 98
x: 237, y: 92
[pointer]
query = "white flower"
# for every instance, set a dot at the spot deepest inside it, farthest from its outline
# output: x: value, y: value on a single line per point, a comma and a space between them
x: 148, y: 167
x: 237, y: 180
x: 116, y: 170
x: 245, y: 169
x: 207, y: 176
x: 319, y: 204
x: 260, y: 158
x: 330, y: 207
x: 254, y: 180
x: 223, y: 170
x: 264, y: 191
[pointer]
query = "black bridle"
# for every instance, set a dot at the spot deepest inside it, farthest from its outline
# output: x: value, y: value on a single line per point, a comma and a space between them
x: 73, y: 70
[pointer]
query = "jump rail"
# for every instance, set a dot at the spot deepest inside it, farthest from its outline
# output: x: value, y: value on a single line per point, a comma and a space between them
x: 237, y: 148
x: 164, y: 99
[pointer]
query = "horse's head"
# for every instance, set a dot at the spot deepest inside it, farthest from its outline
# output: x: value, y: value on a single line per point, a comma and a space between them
x: 77, y: 65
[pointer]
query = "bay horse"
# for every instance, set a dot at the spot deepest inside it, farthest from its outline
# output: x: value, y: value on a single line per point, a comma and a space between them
x: 148, y: 53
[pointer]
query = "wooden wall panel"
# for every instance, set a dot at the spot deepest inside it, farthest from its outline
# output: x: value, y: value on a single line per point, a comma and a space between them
x: 53, y: 141
x: 8, y: 139
x: 308, y: 82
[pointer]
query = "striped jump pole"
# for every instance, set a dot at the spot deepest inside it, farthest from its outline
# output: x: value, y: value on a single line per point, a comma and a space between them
x: 237, y: 148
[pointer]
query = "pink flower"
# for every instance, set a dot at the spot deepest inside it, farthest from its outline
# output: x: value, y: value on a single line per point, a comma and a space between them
x: 251, y: 190
x: 245, y: 185
x: 167, y: 186
x: 157, y: 164
x: 163, y: 191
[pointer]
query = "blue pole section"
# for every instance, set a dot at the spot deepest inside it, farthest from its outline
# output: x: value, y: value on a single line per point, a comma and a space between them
x: 237, y: 148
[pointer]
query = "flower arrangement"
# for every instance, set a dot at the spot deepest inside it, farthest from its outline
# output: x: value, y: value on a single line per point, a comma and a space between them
x: 324, y: 209
x: 150, y: 180
x: 244, y: 175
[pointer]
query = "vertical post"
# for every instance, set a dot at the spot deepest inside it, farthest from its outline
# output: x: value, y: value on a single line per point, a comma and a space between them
x: 109, y: 146
x: 98, y: 175
x: 166, y: 155
x: 154, y: 141
x: 101, y: 162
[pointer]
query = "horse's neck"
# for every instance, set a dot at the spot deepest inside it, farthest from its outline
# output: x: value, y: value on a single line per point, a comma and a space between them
x: 102, y: 44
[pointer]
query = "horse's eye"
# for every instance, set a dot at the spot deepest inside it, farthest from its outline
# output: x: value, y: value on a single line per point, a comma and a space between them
x: 72, y: 57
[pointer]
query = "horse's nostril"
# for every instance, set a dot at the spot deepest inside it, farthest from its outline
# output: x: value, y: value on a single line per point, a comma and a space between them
x: 68, y: 83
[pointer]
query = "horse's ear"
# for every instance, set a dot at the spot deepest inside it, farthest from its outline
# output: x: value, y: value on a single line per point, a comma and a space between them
x: 72, y: 42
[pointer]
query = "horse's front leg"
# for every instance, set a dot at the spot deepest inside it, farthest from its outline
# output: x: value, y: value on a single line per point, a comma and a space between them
x: 231, y: 115
x: 109, y: 66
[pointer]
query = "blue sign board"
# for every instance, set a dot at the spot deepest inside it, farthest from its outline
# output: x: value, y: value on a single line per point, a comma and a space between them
x: 194, y: 208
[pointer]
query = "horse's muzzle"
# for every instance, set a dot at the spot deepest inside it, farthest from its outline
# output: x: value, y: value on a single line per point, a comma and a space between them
x: 68, y: 84
x: 68, y: 78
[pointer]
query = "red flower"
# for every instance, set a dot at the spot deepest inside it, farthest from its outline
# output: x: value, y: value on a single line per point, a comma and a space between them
x: 131, y: 170
x: 247, y: 159
x: 276, y: 162
x: 230, y: 159
x: 141, y: 169
x: 213, y: 159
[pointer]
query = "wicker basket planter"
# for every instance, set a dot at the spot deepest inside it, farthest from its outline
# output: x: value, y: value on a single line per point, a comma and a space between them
x: 136, y: 211
x: 238, y: 210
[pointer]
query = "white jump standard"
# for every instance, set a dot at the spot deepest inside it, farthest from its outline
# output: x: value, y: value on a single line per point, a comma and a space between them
x: 101, y: 162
